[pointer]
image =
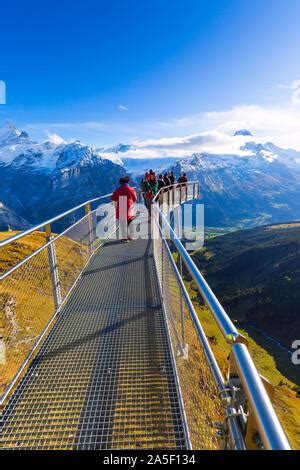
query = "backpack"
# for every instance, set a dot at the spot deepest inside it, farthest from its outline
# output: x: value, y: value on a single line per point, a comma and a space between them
x: 149, y: 194
x: 144, y: 185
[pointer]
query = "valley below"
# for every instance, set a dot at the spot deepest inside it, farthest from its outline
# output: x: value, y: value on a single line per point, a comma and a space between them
x: 255, y: 273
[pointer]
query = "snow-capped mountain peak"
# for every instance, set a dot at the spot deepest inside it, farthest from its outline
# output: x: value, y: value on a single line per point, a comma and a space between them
x: 8, y: 132
x: 39, y: 180
x: 17, y: 150
x: 115, y: 153
x: 243, y: 132
x: 120, y: 148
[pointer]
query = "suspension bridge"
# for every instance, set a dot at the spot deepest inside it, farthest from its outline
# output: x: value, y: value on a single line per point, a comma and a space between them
x: 102, y: 347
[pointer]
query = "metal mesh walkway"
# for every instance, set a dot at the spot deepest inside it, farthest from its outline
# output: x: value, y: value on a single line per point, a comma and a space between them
x: 104, y: 377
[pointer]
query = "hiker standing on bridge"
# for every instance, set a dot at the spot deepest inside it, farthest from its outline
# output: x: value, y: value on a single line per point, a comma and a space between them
x: 161, y: 182
x: 171, y: 177
x: 124, y: 197
x: 167, y: 180
x: 182, y: 180
x: 151, y: 190
x: 182, y: 183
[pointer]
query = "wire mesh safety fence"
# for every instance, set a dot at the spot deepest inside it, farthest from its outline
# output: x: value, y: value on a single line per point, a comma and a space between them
x: 103, y: 224
x: 201, y: 399
x: 72, y: 252
x: 37, y: 273
x: 217, y: 410
x: 200, y: 395
x: 26, y: 305
x: 104, y: 377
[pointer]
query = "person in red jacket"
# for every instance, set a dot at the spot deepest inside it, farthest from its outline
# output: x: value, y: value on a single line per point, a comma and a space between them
x: 124, y: 197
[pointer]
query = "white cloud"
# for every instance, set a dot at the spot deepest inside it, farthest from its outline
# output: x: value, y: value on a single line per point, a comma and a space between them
x: 295, y: 84
x: 295, y: 89
x: 210, y: 132
x: 121, y: 107
x: 208, y: 142
x: 279, y: 125
x: 55, y: 138
x: 212, y: 142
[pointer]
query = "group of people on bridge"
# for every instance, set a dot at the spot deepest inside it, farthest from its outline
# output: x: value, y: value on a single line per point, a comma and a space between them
x: 150, y: 186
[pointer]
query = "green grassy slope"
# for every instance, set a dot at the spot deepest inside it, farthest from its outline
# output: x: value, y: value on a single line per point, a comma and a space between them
x: 287, y: 402
x: 26, y: 300
x: 256, y: 275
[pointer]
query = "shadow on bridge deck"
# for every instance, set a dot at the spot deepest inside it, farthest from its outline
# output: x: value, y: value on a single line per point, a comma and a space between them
x: 104, y: 376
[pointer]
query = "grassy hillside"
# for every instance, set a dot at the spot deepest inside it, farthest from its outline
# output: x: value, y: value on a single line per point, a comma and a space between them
x: 287, y: 402
x: 26, y: 300
x: 256, y: 275
x: 244, y: 268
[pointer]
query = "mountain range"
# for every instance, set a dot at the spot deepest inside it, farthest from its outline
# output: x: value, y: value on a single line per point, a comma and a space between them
x: 256, y: 275
x: 258, y: 184
x: 262, y: 185
x: 9, y: 219
x: 39, y: 181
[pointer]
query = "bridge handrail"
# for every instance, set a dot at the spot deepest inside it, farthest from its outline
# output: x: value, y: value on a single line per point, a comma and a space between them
x: 234, y: 429
x: 37, y: 227
x: 175, y: 185
x: 270, y: 429
x: 227, y: 328
x: 41, y: 225
x: 48, y: 250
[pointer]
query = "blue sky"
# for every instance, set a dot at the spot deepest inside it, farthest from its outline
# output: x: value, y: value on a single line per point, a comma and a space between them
x: 122, y: 70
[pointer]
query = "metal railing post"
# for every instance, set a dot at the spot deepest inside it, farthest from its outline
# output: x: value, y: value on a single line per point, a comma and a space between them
x: 160, y: 234
x: 183, y: 344
x: 87, y: 209
x: 179, y: 220
x: 182, y: 319
x: 162, y: 268
x: 269, y: 427
x: 54, y: 274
